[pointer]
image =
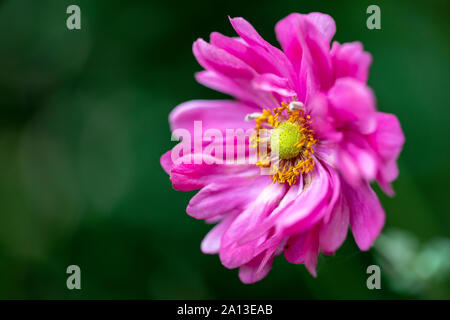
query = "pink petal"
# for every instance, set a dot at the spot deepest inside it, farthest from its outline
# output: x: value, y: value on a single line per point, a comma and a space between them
x: 211, y: 242
x: 366, y: 162
x: 353, y: 104
x: 333, y: 233
x: 304, y: 248
x: 233, y: 253
x: 350, y: 60
x: 166, y: 161
x: 287, y: 35
x: 195, y: 171
x: 240, y: 89
x: 216, y: 59
x: 240, y: 49
x: 366, y: 214
x: 388, y: 137
x: 274, y: 56
x: 357, y: 163
x: 214, y: 114
x: 348, y: 168
x: 387, y: 141
x: 306, y: 42
x: 264, y: 226
x: 253, y: 271
x: 302, y: 207
x: 324, y: 24
x: 313, y: 203
x: 387, y: 173
x: 229, y: 196
x: 272, y: 83
x: 335, y: 186
x: 321, y: 120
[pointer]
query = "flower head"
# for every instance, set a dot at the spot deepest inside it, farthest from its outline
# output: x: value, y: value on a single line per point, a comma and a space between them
x: 315, y: 134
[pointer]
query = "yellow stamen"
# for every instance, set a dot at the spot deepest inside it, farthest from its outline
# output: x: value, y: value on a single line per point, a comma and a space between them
x: 292, y: 140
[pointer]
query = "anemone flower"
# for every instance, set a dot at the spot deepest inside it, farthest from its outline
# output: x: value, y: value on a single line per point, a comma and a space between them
x: 319, y: 142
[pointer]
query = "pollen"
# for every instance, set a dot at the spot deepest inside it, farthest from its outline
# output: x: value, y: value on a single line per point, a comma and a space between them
x: 289, y: 144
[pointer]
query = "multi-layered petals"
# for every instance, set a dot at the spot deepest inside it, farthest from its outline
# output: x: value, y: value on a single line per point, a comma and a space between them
x: 306, y: 40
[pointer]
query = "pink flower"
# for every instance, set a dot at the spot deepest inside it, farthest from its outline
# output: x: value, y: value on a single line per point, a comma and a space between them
x: 326, y: 143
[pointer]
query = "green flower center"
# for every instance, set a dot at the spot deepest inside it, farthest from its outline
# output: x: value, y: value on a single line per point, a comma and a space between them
x: 284, y: 140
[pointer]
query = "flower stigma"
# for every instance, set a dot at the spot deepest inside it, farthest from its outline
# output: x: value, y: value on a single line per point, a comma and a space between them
x: 284, y: 138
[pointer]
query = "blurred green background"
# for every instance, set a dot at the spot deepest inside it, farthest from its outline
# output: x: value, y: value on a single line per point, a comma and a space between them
x: 84, y: 122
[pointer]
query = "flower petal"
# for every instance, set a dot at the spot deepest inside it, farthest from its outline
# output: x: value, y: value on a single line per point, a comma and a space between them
x: 302, y: 207
x: 314, y: 202
x: 233, y: 253
x: 323, y: 123
x: 356, y: 161
x: 324, y: 24
x: 216, y: 59
x: 272, y: 83
x: 366, y: 214
x: 166, y: 161
x: 333, y: 233
x: 213, y: 114
x: 240, y: 49
x: 387, y: 141
x: 353, y: 105
x: 253, y: 271
x: 194, y: 171
x: 241, y: 90
x: 306, y: 41
x: 211, y: 242
x: 304, y: 248
x: 275, y: 57
x: 388, y: 137
x: 229, y: 196
x: 350, y: 60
